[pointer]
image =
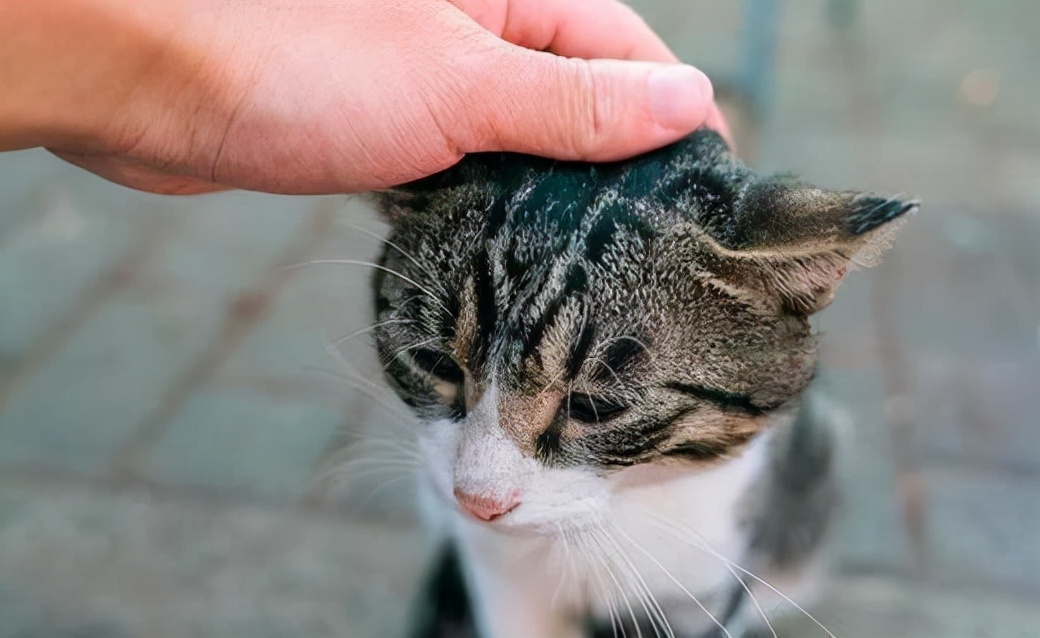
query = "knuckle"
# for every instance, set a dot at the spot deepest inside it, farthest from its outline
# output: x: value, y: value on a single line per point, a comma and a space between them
x: 586, y: 111
x: 459, y: 94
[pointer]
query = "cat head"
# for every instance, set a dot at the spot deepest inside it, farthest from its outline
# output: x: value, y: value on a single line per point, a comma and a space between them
x: 556, y: 324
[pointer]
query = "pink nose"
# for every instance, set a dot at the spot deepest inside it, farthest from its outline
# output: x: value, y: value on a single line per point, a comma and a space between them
x: 486, y: 508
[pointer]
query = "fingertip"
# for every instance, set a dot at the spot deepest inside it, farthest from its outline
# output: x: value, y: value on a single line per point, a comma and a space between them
x: 679, y: 97
x: 716, y: 121
x: 591, y: 110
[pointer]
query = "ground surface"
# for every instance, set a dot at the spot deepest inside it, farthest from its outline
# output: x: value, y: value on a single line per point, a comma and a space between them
x: 165, y: 388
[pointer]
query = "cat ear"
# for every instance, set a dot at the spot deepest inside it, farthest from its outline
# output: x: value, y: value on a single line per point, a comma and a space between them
x: 790, y: 244
x: 477, y: 177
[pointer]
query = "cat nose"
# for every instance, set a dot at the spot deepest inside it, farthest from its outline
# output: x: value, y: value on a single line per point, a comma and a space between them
x: 487, y: 508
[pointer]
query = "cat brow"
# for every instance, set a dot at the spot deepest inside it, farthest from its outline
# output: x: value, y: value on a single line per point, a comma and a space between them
x: 721, y: 398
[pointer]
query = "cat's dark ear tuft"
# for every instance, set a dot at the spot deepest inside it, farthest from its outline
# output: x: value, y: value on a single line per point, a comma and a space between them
x: 868, y: 211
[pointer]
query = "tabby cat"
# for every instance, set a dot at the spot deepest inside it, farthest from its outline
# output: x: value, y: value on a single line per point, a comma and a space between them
x: 610, y: 364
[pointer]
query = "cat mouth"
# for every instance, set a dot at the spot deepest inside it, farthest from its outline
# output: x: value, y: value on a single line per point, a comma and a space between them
x: 536, y: 519
x: 509, y: 525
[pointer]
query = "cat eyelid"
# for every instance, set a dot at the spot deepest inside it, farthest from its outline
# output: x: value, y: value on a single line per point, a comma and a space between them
x: 721, y: 398
x: 587, y: 408
x: 438, y: 364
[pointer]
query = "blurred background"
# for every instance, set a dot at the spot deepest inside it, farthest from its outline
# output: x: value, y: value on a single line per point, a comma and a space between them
x: 167, y: 387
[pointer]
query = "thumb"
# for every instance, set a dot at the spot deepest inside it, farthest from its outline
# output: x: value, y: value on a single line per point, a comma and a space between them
x: 595, y: 110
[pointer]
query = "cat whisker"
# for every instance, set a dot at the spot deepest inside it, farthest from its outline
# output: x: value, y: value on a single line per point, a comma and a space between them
x: 552, y: 381
x: 353, y: 467
x: 570, y: 569
x: 350, y: 479
x: 729, y: 567
x: 345, y: 446
x: 698, y: 541
x: 599, y: 534
x: 390, y: 408
x: 675, y: 580
x: 378, y: 463
x: 341, y: 340
x: 364, y: 503
x: 603, y: 345
x: 374, y: 447
x: 408, y: 446
x: 648, y: 596
x: 391, y: 271
x: 621, y: 589
x: 389, y: 444
x: 386, y: 449
x: 352, y: 470
x: 601, y: 588
x: 356, y: 377
x: 604, y: 561
x: 603, y: 363
x: 384, y: 241
x: 613, y: 609
x: 754, y: 599
x: 411, y: 346
x: 646, y: 348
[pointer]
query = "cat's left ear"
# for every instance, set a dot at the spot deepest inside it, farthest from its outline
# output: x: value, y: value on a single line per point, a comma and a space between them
x: 790, y: 245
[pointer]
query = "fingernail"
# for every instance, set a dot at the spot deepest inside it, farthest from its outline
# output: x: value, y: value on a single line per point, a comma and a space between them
x: 679, y: 96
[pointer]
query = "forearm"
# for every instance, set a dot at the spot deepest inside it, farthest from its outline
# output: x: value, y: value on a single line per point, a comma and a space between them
x: 68, y: 66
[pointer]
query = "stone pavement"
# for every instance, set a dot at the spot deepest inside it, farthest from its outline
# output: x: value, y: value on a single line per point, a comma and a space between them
x: 166, y: 386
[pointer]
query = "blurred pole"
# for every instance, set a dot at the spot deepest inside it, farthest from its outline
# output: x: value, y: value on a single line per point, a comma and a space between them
x: 841, y: 13
x: 759, y: 54
x: 899, y: 377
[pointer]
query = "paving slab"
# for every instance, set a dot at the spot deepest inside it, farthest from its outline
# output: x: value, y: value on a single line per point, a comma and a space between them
x: 136, y: 564
x: 996, y: 516
x: 873, y: 607
x: 243, y: 441
x: 295, y: 347
x: 82, y: 404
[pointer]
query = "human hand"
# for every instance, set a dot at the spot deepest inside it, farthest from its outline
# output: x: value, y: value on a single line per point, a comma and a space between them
x: 314, y: 97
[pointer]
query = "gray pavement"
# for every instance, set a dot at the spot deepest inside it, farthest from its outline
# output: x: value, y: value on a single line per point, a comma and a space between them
x: 166, y: 388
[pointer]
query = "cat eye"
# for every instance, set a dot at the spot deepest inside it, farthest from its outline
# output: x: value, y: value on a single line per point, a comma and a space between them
x: 438, y: 364
x: 589, y: 409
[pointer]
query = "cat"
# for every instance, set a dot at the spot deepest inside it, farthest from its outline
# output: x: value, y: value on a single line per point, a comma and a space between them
x: 610, y: 364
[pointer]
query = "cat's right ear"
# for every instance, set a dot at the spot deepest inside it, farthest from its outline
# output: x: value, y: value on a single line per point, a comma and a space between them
x: 440, y: 191
x: 395, y: 204
x: 789, y: 245
x: 413, y: 197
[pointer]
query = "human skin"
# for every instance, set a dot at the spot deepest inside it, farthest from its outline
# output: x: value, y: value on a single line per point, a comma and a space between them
x: 310, y: 96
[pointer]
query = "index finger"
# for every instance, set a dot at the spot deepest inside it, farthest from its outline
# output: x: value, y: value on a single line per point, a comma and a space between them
x: 587, y: 29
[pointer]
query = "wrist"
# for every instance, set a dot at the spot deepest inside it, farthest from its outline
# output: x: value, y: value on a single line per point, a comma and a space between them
x: 67, y: 67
